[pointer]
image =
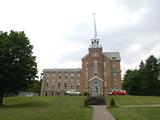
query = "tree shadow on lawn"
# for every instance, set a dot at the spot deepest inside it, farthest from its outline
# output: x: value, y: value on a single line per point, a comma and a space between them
x: 26, y: 104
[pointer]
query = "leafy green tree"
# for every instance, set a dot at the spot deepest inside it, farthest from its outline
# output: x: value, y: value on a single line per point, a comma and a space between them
x: 33, y: 87
x: 17, y: 64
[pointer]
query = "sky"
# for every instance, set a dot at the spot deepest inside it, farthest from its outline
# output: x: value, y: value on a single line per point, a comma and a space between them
x: 60, y: 30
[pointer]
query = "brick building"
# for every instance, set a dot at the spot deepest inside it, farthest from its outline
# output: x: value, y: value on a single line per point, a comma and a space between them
x: 100, y: 73
x: 54, y: 82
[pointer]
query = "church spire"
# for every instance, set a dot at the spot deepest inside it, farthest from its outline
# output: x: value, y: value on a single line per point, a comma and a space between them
x: 95, y: 29
x: 95, y: 40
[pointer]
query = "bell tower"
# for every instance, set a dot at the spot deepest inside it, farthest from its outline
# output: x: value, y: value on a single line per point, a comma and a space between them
x: 95, y: 39
x: 92, y: 67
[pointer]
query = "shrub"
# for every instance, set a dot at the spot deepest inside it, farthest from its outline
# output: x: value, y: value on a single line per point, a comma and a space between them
x: 112, y: 102
x: 95, y: 100
x: 85, y: 93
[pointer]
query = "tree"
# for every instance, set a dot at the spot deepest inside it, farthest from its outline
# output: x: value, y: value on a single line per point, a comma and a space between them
x: 151, y: 72
x: 34, y: 86
x: 132, y: 82
x: 145, y: 80
x: 17, y: 64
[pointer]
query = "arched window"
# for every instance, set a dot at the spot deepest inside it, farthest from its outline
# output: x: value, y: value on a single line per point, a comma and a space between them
x: 87, y: 71
x: 95, y: 68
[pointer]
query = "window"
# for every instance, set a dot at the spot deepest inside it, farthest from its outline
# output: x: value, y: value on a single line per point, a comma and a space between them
x: 114, y: 76
x: 65, y: 76
x: 59, y: 76
x: 78, y: 76
x: 114, y: 65
x: 59, y: 84
x: 95, y: 68
x: 52, y: 93
x: 87, y: 69
x: 104, y: 64
x: 47, y: 83
x: 78, y: 85
x: 52, y: 84
x: 95, y: 54
x: 72, y: 75
x: 65, y: 85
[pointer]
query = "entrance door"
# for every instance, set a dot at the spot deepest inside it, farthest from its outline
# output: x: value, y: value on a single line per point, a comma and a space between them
x: 95, y: 87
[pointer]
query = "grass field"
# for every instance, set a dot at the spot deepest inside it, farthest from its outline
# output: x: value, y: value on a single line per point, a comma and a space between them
x: 44, y: 108
x: 134, y: 100
x: 71, y: 108
x: 135, y: 113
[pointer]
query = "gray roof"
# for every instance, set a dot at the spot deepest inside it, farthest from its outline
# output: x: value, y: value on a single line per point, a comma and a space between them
x: 112, y: 55
x: 63, y: 70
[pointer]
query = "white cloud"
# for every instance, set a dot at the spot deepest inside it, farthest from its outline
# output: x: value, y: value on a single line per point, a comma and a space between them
x: 60, y: 30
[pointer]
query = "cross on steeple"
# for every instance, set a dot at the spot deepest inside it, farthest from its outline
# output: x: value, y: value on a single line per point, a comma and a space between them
x: 95, y: 40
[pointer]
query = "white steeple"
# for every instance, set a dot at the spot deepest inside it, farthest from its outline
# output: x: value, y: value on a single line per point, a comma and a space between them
x: 95, y: 40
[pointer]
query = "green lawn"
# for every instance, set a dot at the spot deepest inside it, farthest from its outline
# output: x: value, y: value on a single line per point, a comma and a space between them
x: 134, y: 100
x: 45, y: 108
x: 71, y: 108
x: 135, y: 113
x: 150, y: 113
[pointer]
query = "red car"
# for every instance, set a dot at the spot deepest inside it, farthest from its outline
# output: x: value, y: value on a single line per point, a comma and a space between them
x: 118, y: 92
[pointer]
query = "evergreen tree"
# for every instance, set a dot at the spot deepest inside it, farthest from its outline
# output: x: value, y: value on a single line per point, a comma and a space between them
x: 145, y: 80
x: 151, y: 72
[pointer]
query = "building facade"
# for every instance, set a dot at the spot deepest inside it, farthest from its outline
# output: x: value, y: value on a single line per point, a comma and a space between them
x: 100, y: 73
x: 54, y: 82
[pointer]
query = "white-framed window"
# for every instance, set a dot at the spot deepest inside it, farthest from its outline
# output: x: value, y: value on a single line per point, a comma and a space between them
x: 78, y: 76
x: 65, y: 76
x: 46, y: 83
x: 59, y: 76
x: 72, y: 76
x: 95, y: 55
